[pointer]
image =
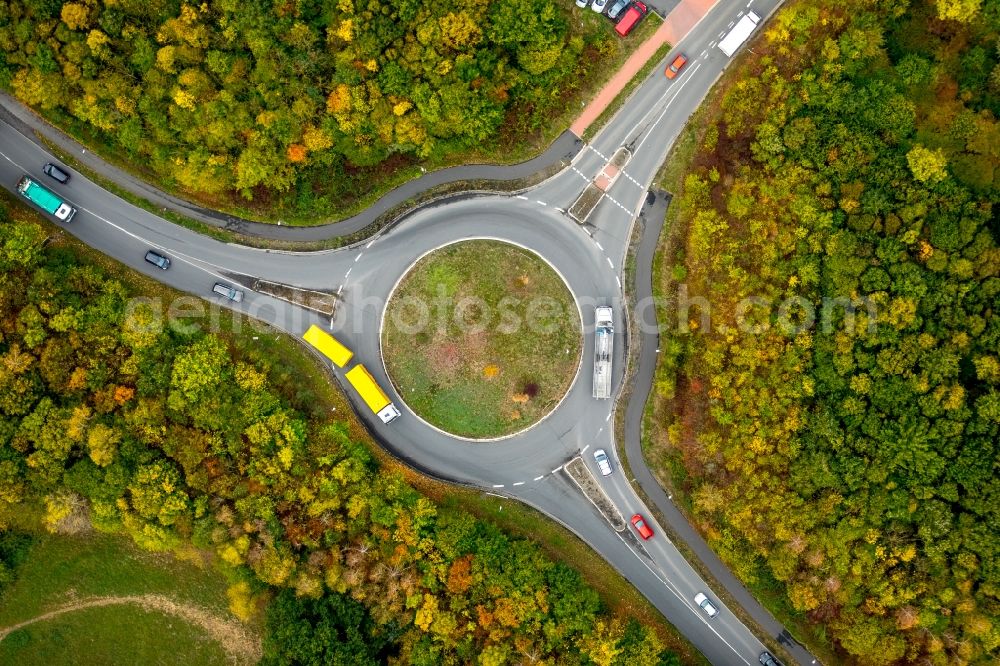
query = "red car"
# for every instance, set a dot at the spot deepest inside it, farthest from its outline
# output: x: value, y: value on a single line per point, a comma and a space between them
x: 631, y: 18
x: 641, y: 527
x: 676, y: 65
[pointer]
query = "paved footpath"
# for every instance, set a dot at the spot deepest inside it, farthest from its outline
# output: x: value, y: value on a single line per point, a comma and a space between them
x: 678, y: 23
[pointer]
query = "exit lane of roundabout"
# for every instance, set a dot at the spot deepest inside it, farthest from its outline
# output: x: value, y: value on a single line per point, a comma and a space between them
x: 573, y: 424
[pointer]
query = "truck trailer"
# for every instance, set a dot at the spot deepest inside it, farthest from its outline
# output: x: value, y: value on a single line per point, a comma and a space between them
x: 372, y: 393
x: 328, y: 345
x: 739, y: 34
x: 45, y: 199
x: 604, y: 333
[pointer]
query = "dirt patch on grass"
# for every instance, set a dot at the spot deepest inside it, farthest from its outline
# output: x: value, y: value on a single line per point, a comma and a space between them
x: 239, y: 644
x: 482, y: 338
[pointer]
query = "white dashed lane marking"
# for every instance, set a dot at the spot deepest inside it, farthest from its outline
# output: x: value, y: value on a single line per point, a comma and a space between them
x: 580, y: 174
x: 519, y: 483
x: 599, y: 153
x: 539, y: 478
x: 612, y: 200
x: 498, y: 485
x: 634, y: 181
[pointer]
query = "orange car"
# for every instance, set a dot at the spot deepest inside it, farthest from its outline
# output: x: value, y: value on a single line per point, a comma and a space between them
x: 676, y: 65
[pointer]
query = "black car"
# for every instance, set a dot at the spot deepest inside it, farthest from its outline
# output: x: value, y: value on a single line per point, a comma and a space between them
x: 158, y: 260
x: 767, y: 659
x: 55, y: 172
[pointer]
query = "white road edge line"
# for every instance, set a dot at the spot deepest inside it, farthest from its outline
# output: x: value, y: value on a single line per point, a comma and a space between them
x: 557, y: 469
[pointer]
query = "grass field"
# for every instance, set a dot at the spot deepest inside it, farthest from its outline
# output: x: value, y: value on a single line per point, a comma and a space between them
x: 111, y: 635
x: 482, y: 338
x: 62, y: 570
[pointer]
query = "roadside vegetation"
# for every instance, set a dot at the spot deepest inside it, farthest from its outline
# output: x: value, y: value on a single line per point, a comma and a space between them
x: 482, y: 338
x: 847, y: 469
x: 195, y: 441
x: 305, y: 111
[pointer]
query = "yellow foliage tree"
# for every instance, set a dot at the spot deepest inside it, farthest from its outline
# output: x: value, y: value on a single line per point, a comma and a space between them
x: 962, y: 11
x: 75, y: 15
x: 459, y: 30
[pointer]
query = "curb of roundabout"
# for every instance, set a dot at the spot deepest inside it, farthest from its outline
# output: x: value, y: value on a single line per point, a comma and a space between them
x: 480, y: 440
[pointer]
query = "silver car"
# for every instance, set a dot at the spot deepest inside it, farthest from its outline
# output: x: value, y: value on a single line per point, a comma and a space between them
x: 603, y: 462
x: 234, y: 295
x: 617, y: 9
x: 706, y: 605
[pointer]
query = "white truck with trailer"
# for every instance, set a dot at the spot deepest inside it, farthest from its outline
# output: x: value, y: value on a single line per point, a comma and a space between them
x: 739, y: 34
x: 604, y: 337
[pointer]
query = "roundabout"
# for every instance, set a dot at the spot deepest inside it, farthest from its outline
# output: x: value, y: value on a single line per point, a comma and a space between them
x: 486, y: 334
x: 527, y: 455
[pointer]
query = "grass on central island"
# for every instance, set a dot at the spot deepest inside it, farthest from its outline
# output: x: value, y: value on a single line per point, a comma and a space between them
x: 482, y: 338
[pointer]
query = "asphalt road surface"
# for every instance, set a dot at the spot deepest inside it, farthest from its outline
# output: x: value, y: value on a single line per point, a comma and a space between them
x: 589, y: 257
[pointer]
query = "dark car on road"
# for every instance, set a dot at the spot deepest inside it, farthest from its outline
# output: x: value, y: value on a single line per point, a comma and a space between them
x: 157, y: 259
x: 55, y: 172
x: 767, y: 659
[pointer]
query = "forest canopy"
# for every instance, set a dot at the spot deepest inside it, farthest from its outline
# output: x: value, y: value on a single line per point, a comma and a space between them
x: 263, y: 96
x: 854, y: 467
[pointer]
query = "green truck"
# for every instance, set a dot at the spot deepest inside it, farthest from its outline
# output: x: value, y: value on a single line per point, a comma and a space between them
x: 44, y: 199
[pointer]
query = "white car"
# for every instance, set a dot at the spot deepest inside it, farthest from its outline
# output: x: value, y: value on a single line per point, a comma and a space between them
x: 603, y: 462
x: 599, y: 6
x: 582, y: 3
x: 706, y: 605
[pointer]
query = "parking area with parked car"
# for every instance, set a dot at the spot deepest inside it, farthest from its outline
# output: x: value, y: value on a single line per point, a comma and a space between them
x: 625, y: 14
